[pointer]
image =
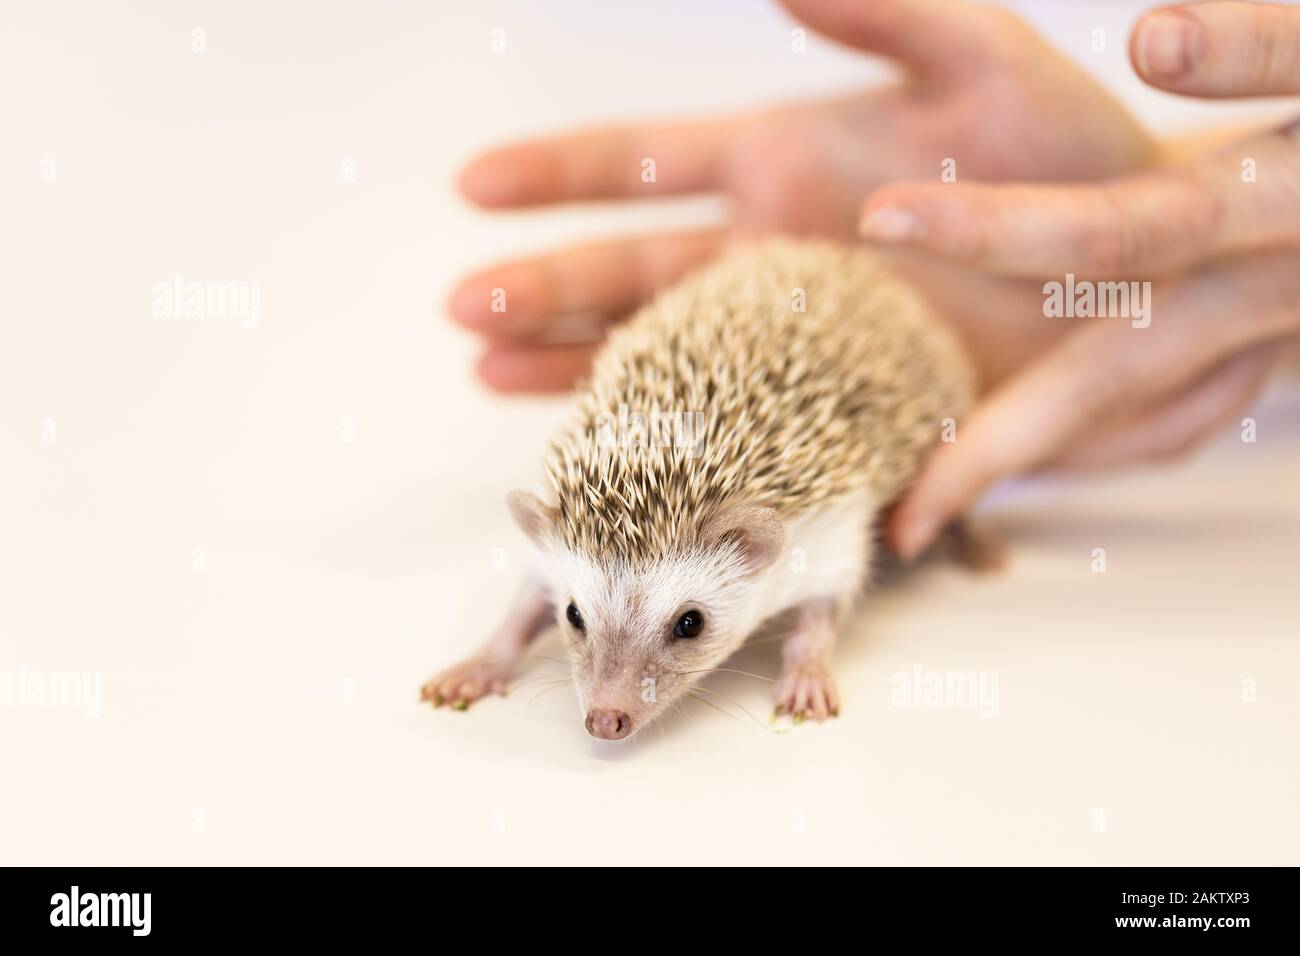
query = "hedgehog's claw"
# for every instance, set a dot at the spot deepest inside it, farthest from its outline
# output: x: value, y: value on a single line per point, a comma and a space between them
x: 467, y: 681
x: 807, y: 690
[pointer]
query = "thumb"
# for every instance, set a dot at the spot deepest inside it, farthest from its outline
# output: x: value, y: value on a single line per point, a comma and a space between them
x: 1220, y: 49
x: 1095, y: 374
x: 943, y: 40
x: 1030, y: 418
x: 1142, y: 224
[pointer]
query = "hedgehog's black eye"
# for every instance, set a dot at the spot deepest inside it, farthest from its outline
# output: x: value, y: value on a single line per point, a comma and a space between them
x: 689, y: 624
x: 574, y: 617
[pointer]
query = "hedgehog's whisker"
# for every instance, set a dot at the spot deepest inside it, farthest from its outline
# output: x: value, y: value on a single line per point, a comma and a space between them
x: 548, y: 679
x: 534, y: 682
x: 758, y: 722
x: 546, y: 657
x: 728, y: 670
x: 539, y: 679
x: 547, y: 690
x: 739, y: 706
x: 704, y: 700
x: 774, y: 639
x: 677, y: 709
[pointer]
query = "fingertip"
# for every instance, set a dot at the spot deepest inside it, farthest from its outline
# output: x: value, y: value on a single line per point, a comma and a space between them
x: 895, y: 523
x: 1166, y: 46
x: 891, y: 224
x: 512, y: 369
x: 497, y: 370
x: 920, y: 213
x: 488, y: 303
x: 467, y: 305
x: 914, y: 524
x: 500, y: 179
x: 951, y: 478
x: 503, y: 301
x: 912, y: 533
x: 478, y: 182
x: 896, y: 214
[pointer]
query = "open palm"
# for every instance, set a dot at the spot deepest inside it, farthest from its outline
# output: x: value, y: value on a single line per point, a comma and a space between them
x: 982, y: 91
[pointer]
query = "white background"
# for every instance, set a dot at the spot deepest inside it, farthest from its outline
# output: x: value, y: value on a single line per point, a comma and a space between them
x: 264, y: 709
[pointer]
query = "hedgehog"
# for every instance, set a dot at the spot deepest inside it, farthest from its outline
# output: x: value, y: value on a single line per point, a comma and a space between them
x: 727, y: 463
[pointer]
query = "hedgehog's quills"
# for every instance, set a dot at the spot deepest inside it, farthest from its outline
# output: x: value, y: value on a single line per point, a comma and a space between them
x: 726, y: 463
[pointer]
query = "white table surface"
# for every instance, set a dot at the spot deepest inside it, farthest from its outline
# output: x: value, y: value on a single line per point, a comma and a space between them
x: 262, y: 708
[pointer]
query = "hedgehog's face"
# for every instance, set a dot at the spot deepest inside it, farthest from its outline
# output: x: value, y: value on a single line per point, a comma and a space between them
x: 639, y: 638
x: 641, y: 635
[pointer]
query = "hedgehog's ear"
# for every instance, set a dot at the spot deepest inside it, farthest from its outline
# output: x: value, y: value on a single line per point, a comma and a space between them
x: 533, y: 517
x: 756, y: 529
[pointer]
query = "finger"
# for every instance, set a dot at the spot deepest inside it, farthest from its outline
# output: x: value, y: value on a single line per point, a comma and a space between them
x: 599, y: 164
x: 1144, y: 225
x: 523, y: 299
x: 1096, y: 373
x: 539, y: 368
x: 1219, y: 49
x: 1182, y: 423
x: 1018, y: 425
x: 941, y: 39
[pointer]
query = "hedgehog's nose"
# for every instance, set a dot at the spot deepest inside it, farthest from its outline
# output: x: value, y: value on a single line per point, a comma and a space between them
x: 608, y: 724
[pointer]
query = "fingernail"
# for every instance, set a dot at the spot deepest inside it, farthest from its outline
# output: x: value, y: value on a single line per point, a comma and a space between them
x: 1169, y: 45
x: 891, y: 224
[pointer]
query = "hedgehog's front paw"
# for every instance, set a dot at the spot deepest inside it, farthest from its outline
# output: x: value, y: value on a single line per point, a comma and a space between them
x: 807, y: 690
x: 467, y: 681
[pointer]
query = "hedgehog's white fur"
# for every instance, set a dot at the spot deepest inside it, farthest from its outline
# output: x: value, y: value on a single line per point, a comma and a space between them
x: 825, y: 553
x: 800, y: 408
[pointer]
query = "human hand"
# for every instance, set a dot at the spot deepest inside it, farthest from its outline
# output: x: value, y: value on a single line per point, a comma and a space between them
x: 981, y: 86
x: 1219, y: 239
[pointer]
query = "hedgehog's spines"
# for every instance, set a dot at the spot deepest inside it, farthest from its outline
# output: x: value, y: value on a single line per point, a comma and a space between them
x: 799, y: 407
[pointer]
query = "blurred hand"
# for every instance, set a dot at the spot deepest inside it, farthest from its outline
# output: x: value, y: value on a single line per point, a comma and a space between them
x: 981, y: 86
x: 1219, y: 239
